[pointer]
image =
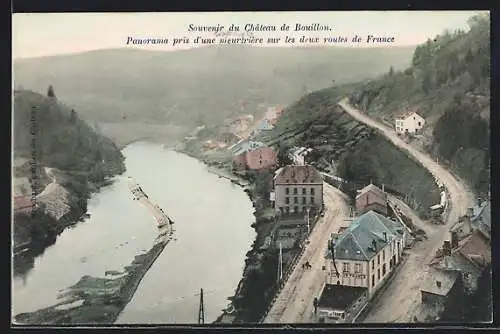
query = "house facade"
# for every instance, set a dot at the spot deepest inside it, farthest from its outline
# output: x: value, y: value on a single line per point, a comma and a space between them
x: 257, y: 159
x: 409, y: 122
x: 371, y: 198
x: 298, y: 188
x: 436, y: 291
x: 366, y: 253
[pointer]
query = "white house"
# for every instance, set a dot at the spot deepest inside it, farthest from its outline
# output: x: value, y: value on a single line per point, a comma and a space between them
x: 409, y: 122
x: 366, y: 253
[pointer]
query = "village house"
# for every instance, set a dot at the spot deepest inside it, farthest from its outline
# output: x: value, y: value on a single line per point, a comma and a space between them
x: 257, y: 159
x: 273, y: 114
x: 340, y: 304
x: 298, y: 188
x: 371, y: 198
x: 265, y: 125
x: 470, y: 258
x: 366, y: 253
x: 409, y: 122
x: 481, y: 219
x: 437, y: 290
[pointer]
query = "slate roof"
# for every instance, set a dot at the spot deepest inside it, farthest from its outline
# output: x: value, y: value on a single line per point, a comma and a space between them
x: 364, y: 237
x: 482, y: 214
x: 340, y: 297
x: 298, y: 174
x: 446, y: 278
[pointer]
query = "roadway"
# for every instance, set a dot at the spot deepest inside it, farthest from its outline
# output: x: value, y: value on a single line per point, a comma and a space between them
x: 295, y: 301
x: 402, y: 298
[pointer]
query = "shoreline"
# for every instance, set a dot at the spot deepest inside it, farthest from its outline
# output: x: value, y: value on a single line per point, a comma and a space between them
x: 103, y: 298
x: 256, y: 259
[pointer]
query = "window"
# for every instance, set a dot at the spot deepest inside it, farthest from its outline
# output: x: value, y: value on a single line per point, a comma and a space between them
x: 383, y: 269
x: 304, y: 191
x: 373, y: 264
x: 378, y: 273
x: 373, y: 280
x: 287, y: 190
x: 312, y: 191
x: 378, y: 259
x: 312, y: 200
x: 295, y: 191
x: 287, y: 209
x: 295, y: 200
x: 303, y: 200
x: 383, y: 255
x: 357, y: 268
x: 295, y: 209
x: 287, y: 200
x: 346, y: 267
x: 419, y: 124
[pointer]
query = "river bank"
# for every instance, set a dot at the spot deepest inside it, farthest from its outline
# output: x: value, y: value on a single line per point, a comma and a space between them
x: 95, y: 300
x: 257, y: 286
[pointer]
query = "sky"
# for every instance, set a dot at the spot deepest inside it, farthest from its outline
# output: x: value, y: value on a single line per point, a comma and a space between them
x: 44, y: 34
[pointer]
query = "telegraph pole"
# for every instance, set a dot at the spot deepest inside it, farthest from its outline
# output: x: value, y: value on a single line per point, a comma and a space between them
x: 280, y: 265
x: 201, y: 312
x: 308, y: 226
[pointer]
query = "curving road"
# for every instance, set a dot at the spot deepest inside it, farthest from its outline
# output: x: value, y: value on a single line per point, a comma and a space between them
x: 295, y: 301
x: 402, y: 297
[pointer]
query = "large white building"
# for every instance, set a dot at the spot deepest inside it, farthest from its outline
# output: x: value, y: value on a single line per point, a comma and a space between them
x: 366, y: 252
x: 297, y: 189
x: 409, y: 122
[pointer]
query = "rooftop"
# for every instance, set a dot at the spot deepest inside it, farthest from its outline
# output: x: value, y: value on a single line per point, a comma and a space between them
x: 372, y: 188
x: 340, y: 297
x: 446, y: 281
x: 407, y: 114
x: 482, y: 214
x: 364, y: 237
x: 476, y: 245
x: 295, y: 174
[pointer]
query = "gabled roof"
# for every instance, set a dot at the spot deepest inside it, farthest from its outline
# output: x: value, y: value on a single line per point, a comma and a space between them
x: 446, y: 281
x: 482, y: 214
x: 298, y: 174
x: 407, y: 114
x: 364, y: 237
x: 476, y: 245
x: 371, y: 188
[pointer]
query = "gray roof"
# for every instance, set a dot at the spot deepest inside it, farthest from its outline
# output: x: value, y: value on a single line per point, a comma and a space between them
x: 482, y: 214
x: 446, y: 279
x: 364, y: 237
x: 373, y: 188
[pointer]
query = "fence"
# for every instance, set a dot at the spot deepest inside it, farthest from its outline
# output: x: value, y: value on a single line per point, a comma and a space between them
x: 290, y: 268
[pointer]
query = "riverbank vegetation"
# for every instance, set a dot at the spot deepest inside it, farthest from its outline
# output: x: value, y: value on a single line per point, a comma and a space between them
x: 50, y: 134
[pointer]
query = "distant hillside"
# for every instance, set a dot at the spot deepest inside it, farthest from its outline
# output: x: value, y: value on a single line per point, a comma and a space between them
x: 81, y: 160
x: 62, y: 139
x: 447, y: 82
x: 202, y: 85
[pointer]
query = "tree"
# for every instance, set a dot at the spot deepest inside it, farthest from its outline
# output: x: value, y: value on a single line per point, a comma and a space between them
x: 50, y: 92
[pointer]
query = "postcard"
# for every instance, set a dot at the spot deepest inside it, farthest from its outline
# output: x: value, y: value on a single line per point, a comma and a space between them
x: 251, y: 168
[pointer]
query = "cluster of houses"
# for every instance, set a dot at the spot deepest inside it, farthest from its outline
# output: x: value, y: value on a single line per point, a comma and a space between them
x: 461, y: 261
x: 361, y: 257
x: 240, y: 129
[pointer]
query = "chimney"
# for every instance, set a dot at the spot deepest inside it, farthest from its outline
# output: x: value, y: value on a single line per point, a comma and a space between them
x: 385, y: 236
x: 438, y: 284
x: 447, y: 248
x: 454, y: 240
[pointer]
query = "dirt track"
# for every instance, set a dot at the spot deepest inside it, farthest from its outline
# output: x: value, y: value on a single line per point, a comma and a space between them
x: 294, y: 303
x: 402, y: 297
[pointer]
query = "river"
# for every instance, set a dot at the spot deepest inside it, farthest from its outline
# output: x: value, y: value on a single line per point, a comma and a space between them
x: 212, y: 235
